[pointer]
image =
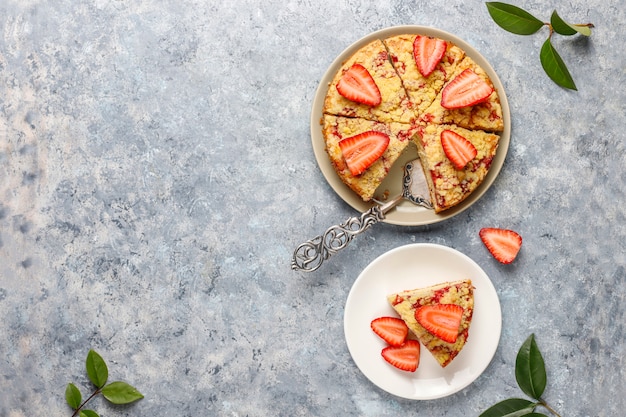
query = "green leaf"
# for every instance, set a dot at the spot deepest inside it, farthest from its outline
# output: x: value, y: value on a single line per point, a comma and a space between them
x: 88, y: 413
x: 73, y: 396
x: 554, y: 66
x: 560, y: 26
x: 513, y: 19
x: 513, y: 407
x: 96, y: 369
x: 530, y: 371
x: 121, y: 393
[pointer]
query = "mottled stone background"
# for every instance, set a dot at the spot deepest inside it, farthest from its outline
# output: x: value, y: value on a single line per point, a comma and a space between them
x: 156, y: 174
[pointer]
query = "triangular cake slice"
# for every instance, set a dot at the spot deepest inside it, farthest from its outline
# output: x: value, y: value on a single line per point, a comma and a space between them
x: 458, y: 293
x: 394, y: 105
x: 422, y: 90
x: 448, y: 185
x: 486, y: 115
x: 336, y: 129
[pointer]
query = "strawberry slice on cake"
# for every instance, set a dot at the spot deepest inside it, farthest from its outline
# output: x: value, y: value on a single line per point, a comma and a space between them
x: 458, y: 149
x: 428, y: 53
x: 439, y: 316
x: 362, y: 150
x: 357, y: 85
x: 441, y: 320
x: 466, y: 89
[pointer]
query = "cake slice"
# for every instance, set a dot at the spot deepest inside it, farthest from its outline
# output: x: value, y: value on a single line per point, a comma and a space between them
x: 394, y: 105
x: 486, y: 115
x: 405, y: 52
x: 439, y: 316
x: 336, y: 129
x: 447, y: 184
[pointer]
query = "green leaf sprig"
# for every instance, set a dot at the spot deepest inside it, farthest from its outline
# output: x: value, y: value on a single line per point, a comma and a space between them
x: 530, y: 374
x: 516, y: 20
x: 117, y: 392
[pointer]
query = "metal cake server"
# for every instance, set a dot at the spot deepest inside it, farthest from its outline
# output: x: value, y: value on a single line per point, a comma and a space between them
x: 310, y: 255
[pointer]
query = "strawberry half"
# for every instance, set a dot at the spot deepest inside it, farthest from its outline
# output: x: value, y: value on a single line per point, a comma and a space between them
x: 428, y: 52
x: 466, y: 89
x: 405, y: 357
x: 362, y: 150
x: 391, y: 329
x: 458, y: 149
x: 356, y: 84
x: 503, y: 244
x: 441, y: 320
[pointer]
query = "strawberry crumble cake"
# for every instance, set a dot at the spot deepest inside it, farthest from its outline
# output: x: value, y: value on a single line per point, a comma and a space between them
x: 439, y: 316
x: 412, y: 87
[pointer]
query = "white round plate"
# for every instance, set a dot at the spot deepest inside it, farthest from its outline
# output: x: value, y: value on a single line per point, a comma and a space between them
x: 416, y: 266
x: 406, y: 213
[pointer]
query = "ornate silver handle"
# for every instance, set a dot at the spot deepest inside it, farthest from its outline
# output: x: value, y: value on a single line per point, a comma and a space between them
x: 310, y: 254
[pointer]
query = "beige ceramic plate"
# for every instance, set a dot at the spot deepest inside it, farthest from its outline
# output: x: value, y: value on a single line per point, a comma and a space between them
x: 406, y: 213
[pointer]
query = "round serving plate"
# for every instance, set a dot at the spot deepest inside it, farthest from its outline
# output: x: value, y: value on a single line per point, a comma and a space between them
x: 405, y: 213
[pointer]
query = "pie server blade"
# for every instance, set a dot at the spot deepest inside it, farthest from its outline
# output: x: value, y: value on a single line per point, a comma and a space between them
x: 310, y: 255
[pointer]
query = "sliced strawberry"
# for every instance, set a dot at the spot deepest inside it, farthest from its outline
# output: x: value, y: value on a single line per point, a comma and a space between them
x: 391, y: 329
x: 405, y: 357
x: 356, y: 84
x: 428, y: 52
x: 441, y: 320
x: 503, y: 244
x: 362, y: 150
x: 466, y: 89
x: 458, y: 149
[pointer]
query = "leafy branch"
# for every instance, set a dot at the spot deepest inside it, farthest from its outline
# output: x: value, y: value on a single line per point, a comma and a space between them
x: 117, y: 392
x: 530, y: 374
x: 516, y: 20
